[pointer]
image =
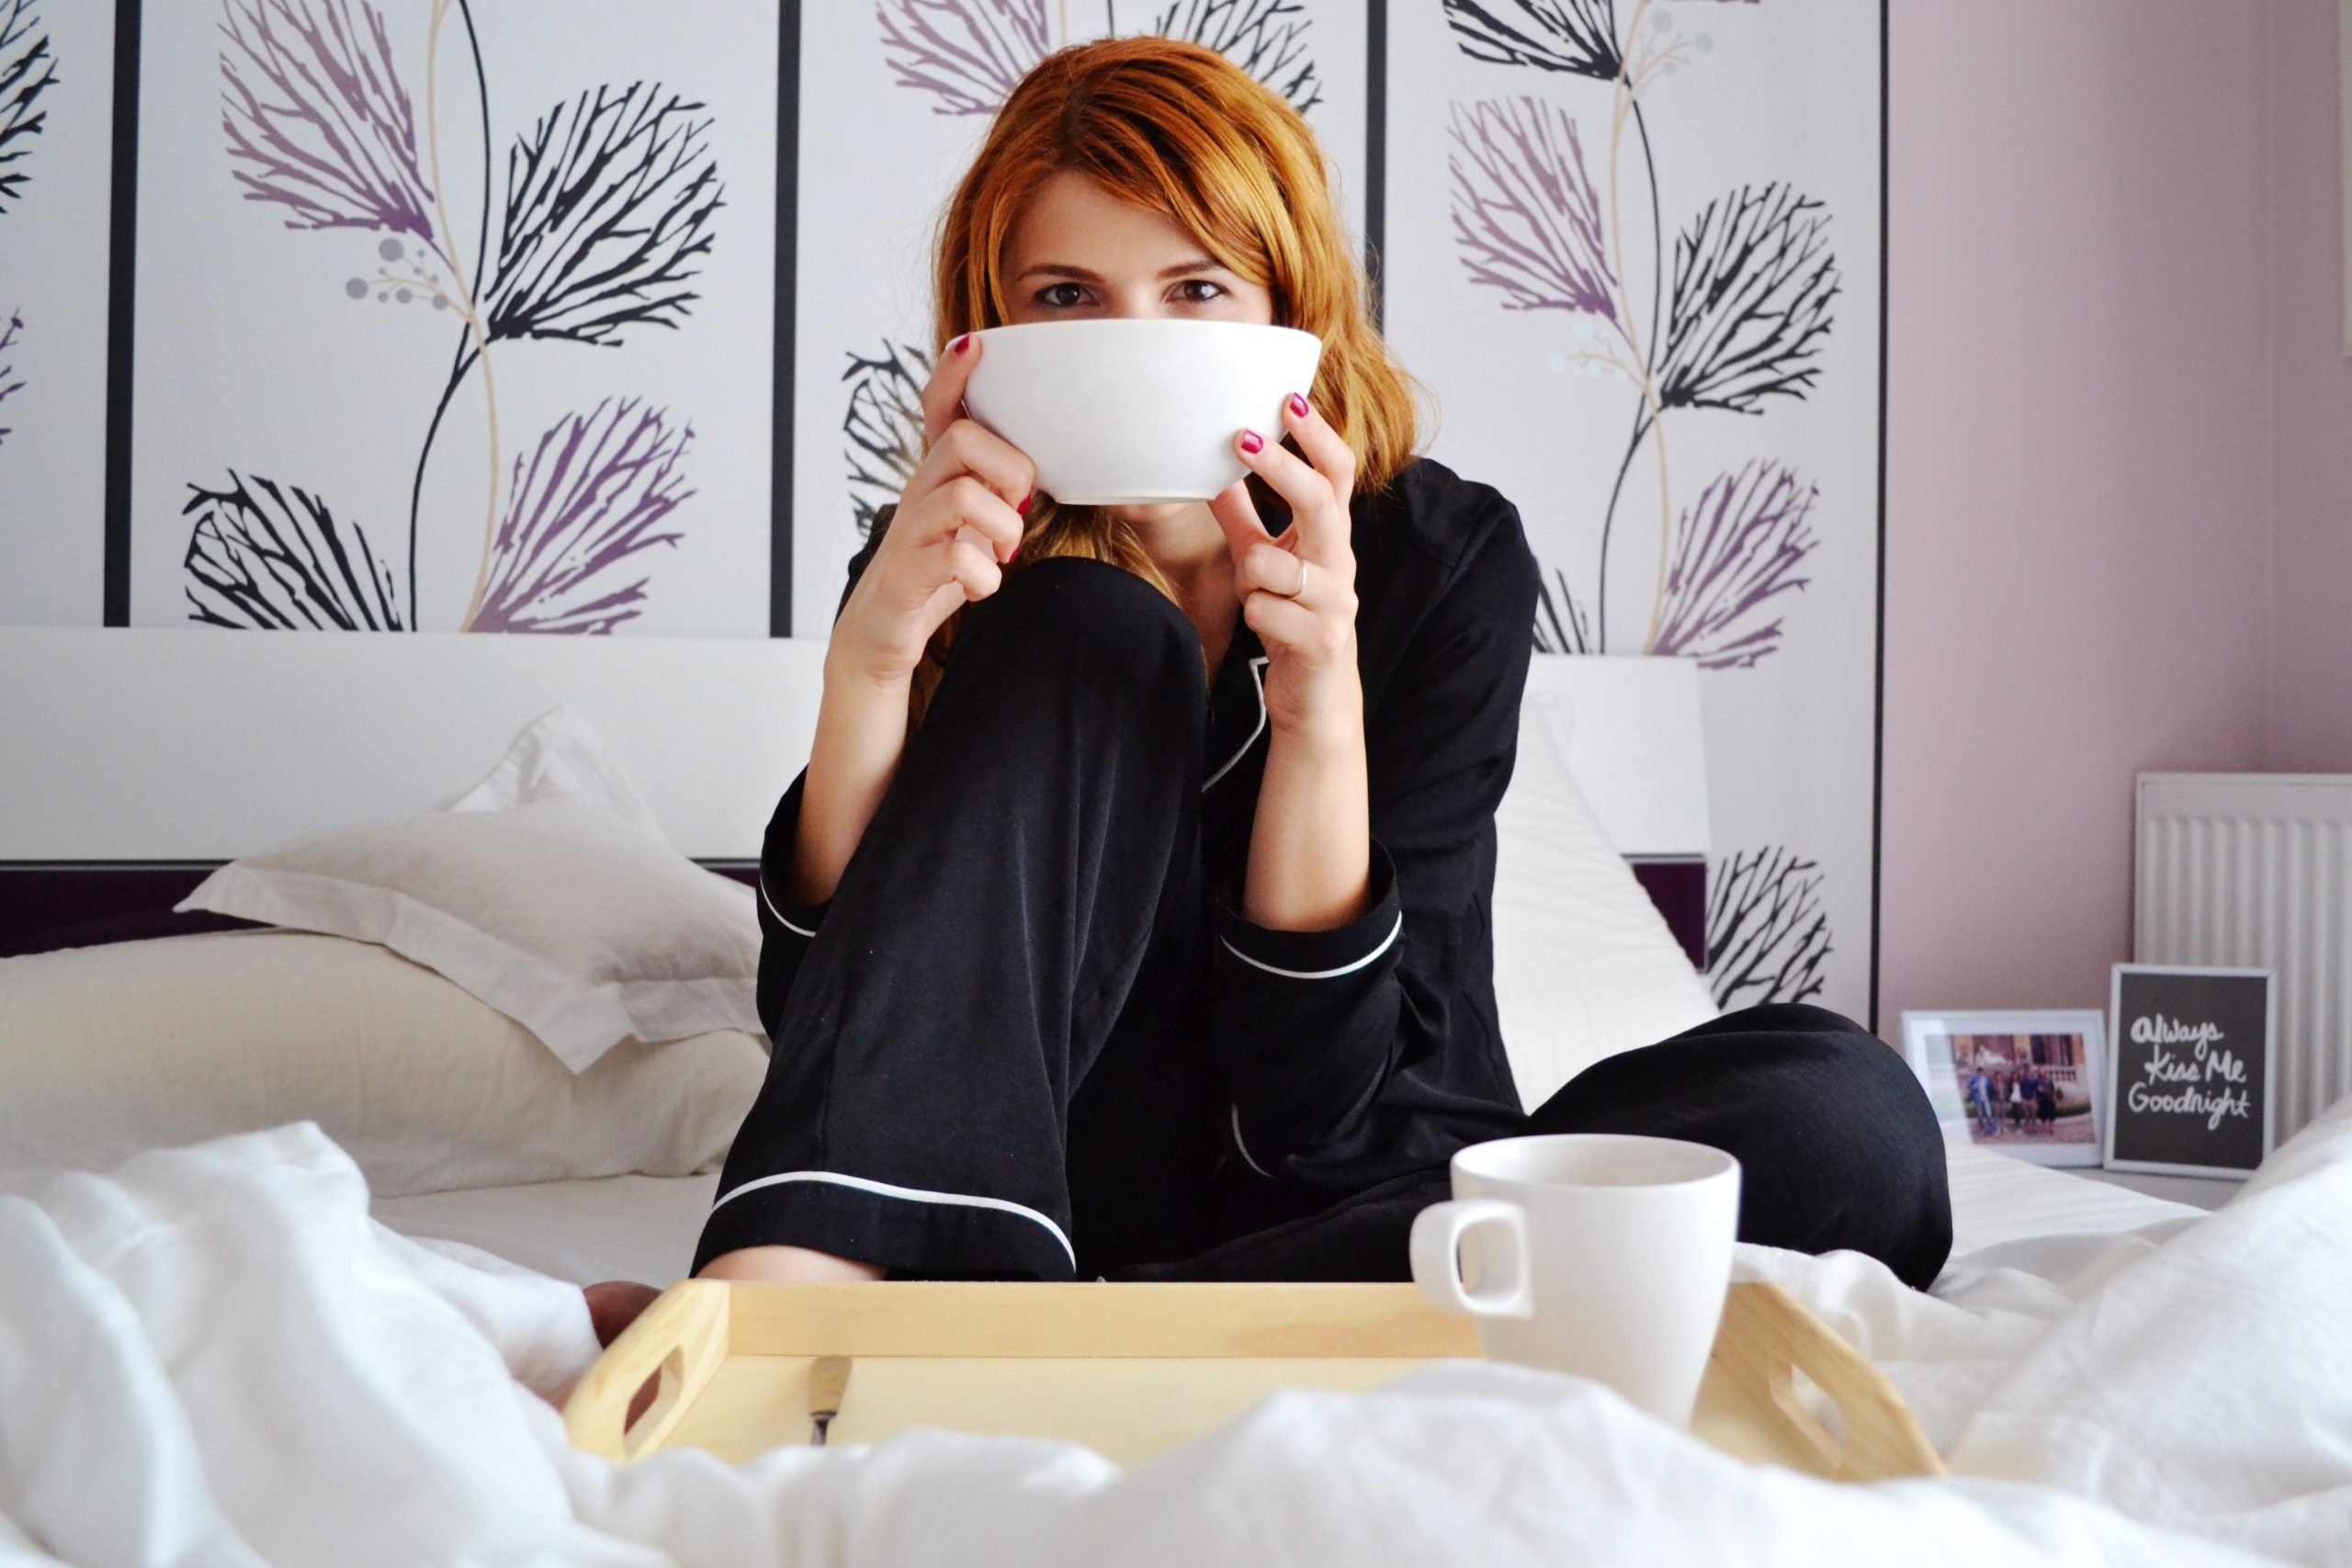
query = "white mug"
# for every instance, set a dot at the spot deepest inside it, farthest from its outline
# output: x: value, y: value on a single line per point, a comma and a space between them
x: 1604, y: 1255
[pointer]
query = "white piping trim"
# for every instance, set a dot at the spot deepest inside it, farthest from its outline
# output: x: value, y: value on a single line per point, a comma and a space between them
x: 1319, y: 973
x: 915, y: 1193
x: 787, y: 925
x: 1258, y: 677
x: 1245, y: 1148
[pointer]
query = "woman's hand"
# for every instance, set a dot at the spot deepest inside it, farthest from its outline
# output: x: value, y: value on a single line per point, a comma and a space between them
x: 1298, y: 593
x: 959, y: 521
x: 1310, y: 854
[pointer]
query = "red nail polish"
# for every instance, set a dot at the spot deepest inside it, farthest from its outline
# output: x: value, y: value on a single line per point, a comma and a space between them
x: 1251, y: 441
x: 961, y: 344
x: 1298, y: 405
x: 1026, y: 502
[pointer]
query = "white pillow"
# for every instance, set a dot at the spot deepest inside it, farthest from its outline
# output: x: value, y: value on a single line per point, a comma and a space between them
x: 546, y: 891
x: 1585, y: 966
x: 107, y: 1051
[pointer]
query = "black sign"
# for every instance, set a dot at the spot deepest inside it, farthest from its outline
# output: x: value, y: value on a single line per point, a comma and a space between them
x: 2191, y: 1077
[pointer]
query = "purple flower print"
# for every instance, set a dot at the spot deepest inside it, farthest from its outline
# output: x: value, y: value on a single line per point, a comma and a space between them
x: 589, y: 497
x: 965, y: 53
x: 316, y: 116
x: 1736, y: 550
x: 1525, y: 213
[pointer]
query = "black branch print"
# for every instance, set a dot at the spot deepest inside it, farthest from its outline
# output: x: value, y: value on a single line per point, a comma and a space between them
x: 966, y: 53
x: 1768, y: 940
x: 317, y: 119
x: 882, y: 429
x: 609, y: 199
x: 269, y: 557
x: 1265, y: 37
x: 1562, y: 622
x: 28, y: 69
x: 10, y: 382
x: 1577, y: 37
x: 1736, y: 551
x: 1754, y: 277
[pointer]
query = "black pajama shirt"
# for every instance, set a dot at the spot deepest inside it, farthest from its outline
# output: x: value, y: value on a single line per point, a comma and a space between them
x: 1032, y: 1035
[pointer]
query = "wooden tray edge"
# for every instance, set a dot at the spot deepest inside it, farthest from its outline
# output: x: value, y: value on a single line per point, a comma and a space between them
x: 1768, y: 1337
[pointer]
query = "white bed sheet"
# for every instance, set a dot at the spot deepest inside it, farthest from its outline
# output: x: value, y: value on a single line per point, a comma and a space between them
x: 644, y: 1228
x: 208, y: 1356
x: 1995, y: 1200
x: 614, y: 1227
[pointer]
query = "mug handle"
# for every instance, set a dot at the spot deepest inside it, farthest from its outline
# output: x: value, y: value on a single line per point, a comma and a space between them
x: 1438, y: 1230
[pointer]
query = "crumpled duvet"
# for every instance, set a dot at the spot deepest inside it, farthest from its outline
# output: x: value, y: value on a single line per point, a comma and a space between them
x: 213, y: 1354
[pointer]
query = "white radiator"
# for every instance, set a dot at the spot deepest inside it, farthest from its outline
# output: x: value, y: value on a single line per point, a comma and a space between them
x: 2255, y: 871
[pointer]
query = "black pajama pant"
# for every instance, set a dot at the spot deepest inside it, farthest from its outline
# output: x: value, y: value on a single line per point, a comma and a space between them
x: 988, y: 1062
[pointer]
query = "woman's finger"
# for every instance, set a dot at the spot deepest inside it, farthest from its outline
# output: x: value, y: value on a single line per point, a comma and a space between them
x: 1323, y: 446
x: 1237, y: 514
x: 1274, y: 570
x: 1314, y: 508
x: 943, y: 395
x: 968, y: 447
x: 973, y: 568
x: 970, y: 504
x: 1283, y: 625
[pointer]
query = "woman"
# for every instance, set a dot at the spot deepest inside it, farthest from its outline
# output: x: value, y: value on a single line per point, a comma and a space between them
x: 1131, y: 917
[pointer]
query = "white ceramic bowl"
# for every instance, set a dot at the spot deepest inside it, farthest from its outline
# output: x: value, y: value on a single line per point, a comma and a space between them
x: 1130, y: 411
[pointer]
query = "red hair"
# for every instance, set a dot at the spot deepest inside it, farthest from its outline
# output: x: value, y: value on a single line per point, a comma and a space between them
x: 1179, y: 128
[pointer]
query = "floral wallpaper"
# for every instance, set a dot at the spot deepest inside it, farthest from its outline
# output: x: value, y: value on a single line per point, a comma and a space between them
x: 595, y: 231
x: 552, y: 317
x: 1678, y: 271
x: 28, y: 69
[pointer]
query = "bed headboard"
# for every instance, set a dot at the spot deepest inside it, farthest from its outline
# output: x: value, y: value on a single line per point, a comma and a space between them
x: 153, y: 753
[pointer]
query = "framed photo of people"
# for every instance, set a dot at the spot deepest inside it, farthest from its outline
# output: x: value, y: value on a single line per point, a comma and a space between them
x: 2189, y: 1086
x: 2024, y: 1084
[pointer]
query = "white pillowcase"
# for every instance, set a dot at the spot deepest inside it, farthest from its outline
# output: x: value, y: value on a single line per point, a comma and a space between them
x: 1585, y: 966
x: 107, y: 1051
x: 546, y: 890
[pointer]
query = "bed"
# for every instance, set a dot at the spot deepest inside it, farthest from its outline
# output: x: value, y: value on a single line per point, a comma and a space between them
x: 217, y: 748
x: 644, y: 1228
x: 2101, y: 1368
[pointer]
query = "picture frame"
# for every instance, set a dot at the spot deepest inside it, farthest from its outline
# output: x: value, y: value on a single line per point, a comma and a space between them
x: 2181, y: 1053
x: 2011, y: 1056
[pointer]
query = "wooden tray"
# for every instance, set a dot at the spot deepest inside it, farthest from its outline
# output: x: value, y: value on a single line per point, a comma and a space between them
x: 1134, y: 1369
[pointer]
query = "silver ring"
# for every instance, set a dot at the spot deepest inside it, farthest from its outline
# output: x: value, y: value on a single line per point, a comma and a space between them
x: 1302, y: 578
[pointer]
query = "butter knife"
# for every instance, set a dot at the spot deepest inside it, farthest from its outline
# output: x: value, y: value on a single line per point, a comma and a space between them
x: 828, y: 1381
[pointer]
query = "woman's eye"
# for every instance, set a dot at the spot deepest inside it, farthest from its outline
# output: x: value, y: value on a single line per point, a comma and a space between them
x: 1052, y: 294
x: 1215, y: 291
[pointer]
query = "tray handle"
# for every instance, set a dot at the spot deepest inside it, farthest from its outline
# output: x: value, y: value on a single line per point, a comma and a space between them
x: 1767, y: 1336
x: 682, y: 1336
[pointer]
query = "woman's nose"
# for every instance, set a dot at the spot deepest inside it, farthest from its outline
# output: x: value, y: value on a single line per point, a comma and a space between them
x: 1143, y: 305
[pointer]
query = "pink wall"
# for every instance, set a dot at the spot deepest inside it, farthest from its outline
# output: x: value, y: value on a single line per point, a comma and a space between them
x: 2080, y: 450
x: 2310, y: 401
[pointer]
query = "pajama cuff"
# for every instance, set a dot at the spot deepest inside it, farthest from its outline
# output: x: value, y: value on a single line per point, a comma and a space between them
x: 1279, y: 958
x: 779, y: 915
x: 915, y: 1232
x: 1304, y: 1022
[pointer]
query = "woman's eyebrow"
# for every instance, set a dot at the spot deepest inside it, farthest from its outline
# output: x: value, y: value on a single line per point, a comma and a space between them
x: 1063, y: 269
